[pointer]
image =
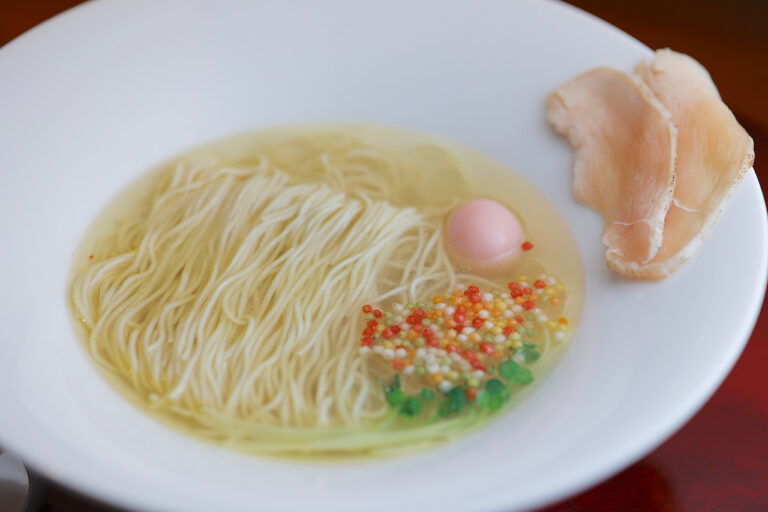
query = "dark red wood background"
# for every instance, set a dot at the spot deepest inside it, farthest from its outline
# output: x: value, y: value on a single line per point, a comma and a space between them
x: 719, y: 460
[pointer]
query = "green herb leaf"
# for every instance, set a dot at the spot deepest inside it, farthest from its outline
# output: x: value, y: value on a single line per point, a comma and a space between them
x: 515, y: 373
x: 495, y: 402
x: 411, y: 407
x: 395, y: 382
x: 530, y: 352
x: 453, y: 402
x: 395, y: 397
x: 427, y: 394
x: 495, y: 387
x: 481, y: 399
x: 507, y: 369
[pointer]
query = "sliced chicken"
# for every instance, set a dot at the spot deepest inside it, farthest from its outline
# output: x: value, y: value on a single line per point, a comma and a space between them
x: 624, y: 158
x: 713, y: 154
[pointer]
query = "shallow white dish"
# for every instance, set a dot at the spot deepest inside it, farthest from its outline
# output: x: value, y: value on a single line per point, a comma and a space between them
x: 101, y: 93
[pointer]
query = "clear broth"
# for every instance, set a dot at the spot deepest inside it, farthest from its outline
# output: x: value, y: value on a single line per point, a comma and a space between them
x: 488, y: 178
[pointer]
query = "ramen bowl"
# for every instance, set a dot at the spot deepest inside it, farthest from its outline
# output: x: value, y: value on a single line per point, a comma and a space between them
x: 96, y: 96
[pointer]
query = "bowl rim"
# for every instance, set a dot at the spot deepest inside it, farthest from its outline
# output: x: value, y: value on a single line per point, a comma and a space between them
x: 602, y: 467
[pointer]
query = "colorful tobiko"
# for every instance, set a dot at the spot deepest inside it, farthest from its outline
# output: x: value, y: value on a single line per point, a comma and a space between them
x: 469, y: 346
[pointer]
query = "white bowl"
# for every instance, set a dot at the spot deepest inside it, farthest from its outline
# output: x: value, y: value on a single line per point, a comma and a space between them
x: 101, y: 93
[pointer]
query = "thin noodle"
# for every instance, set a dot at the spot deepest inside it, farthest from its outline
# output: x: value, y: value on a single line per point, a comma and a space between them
x: 231, y: 302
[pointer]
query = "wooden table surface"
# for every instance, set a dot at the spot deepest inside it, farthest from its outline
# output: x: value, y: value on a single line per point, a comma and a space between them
x: 719, y: 460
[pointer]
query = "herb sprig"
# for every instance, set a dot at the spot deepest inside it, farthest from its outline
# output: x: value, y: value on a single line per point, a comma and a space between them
x: 492, y: 397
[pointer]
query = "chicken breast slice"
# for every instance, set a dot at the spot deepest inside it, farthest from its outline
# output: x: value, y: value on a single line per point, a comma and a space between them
x: 624, y: 158
x: 713, y: 154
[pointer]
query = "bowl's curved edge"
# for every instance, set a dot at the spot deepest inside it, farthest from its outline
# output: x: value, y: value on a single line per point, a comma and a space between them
x: 53, y: 19
x: 677, y: 419
x: 605, y: 467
